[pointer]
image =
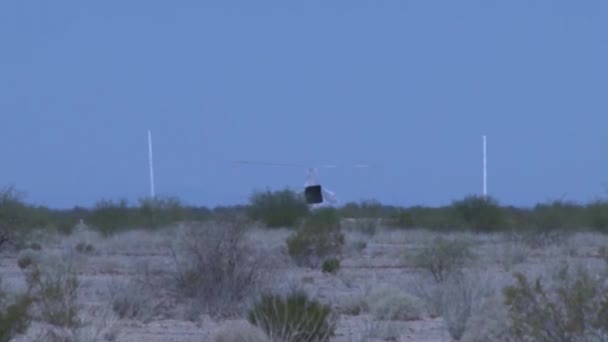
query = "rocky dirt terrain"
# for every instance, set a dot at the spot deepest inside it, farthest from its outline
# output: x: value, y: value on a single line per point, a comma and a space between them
x: 127, y: 288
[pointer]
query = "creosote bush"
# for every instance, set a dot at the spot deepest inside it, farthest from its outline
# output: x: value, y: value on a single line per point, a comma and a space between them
x: 557, y: 215
x: 161, y: 211
x: 14, y: 316
x: 402, y: 219
x: 331, y: 265
x: 442, y: 257
x: 25, y: 261
x: 17, y: 219
x: 462, y: 296
x: 287, y: 208
x: 459, y: 299
x: 85, y: 248
x: 275, y: 209
x: 110, y: 217
x: 294, y: 318
x: 480, y: 213
x: 597, y: 215
x: 217, y: 266
x: 55, y: 292
x: 319, y: 237
x: 131, y: 299
x: 575, y: 308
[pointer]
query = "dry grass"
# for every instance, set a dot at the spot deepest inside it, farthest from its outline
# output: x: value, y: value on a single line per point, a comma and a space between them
x: 382, y: 330
x: 130, y: 298
x: 240, y: 331
x: 387, y: 303
x: 97, y: 325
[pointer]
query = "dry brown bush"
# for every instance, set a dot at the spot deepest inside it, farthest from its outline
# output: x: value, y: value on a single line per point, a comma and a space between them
x: 217, y: 268
x: 458, y: 298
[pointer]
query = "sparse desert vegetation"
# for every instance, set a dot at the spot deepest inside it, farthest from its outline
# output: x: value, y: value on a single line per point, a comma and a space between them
x: 277, y: 271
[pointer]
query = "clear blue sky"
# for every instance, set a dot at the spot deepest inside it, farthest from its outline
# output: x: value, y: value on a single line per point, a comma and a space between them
x: 409, y: 86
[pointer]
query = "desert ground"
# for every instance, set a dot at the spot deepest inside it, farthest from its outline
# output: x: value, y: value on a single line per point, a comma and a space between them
x: 126, y: 283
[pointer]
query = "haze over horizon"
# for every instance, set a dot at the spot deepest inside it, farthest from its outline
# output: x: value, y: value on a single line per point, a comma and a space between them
x: 408, y: 87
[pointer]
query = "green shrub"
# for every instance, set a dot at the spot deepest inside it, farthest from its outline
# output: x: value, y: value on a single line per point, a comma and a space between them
x: 85, y: 248
x: 293, y: 318
x: 441, y: 218
x: 16, y: 218
x: 160, y: 211
x: 25, y: 261
x: 55, y: 292
x: 365, y: 210
x: 331, y: 265
x: 14, y: 318
x: 110, y: 217
x: 277, y: 209
x: 319, y: 237
x: 597, y: 215
x: 536, y: 238
x: 480, y: 213
x: 557, y: 215
x: 441, y: 257
x: 401, y: 218
x: 575, y: 309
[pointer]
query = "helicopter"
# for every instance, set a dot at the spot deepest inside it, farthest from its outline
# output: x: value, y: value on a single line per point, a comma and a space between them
x: 315, y: 194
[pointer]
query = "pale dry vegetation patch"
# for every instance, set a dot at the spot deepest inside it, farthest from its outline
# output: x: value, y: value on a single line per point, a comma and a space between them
x: 240, y: 331
x: 384, y: 303
x: 509, y: 254
x: 96, y: 324
x: 54, y: 285
x: 462, y: 297
x: 488, y: 322
x: 443, y: 257
x: 403, y: 237
x: 381, y: 330
x: 367, y: 227
x: 459, y: 298
x: 137, y: 242
x: 217, y: 268
x: 134, y: 298
x: 57, y: 307
x: 353, y: 305
x: 387, y: 303
x: 81, y: 237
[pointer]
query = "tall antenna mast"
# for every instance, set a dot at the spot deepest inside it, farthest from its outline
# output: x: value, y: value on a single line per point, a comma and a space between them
x: 485, y: 169
x: 151, y: 164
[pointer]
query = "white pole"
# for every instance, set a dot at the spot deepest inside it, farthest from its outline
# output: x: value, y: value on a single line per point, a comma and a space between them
x: 151, y: 164
x: 485, y: 170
